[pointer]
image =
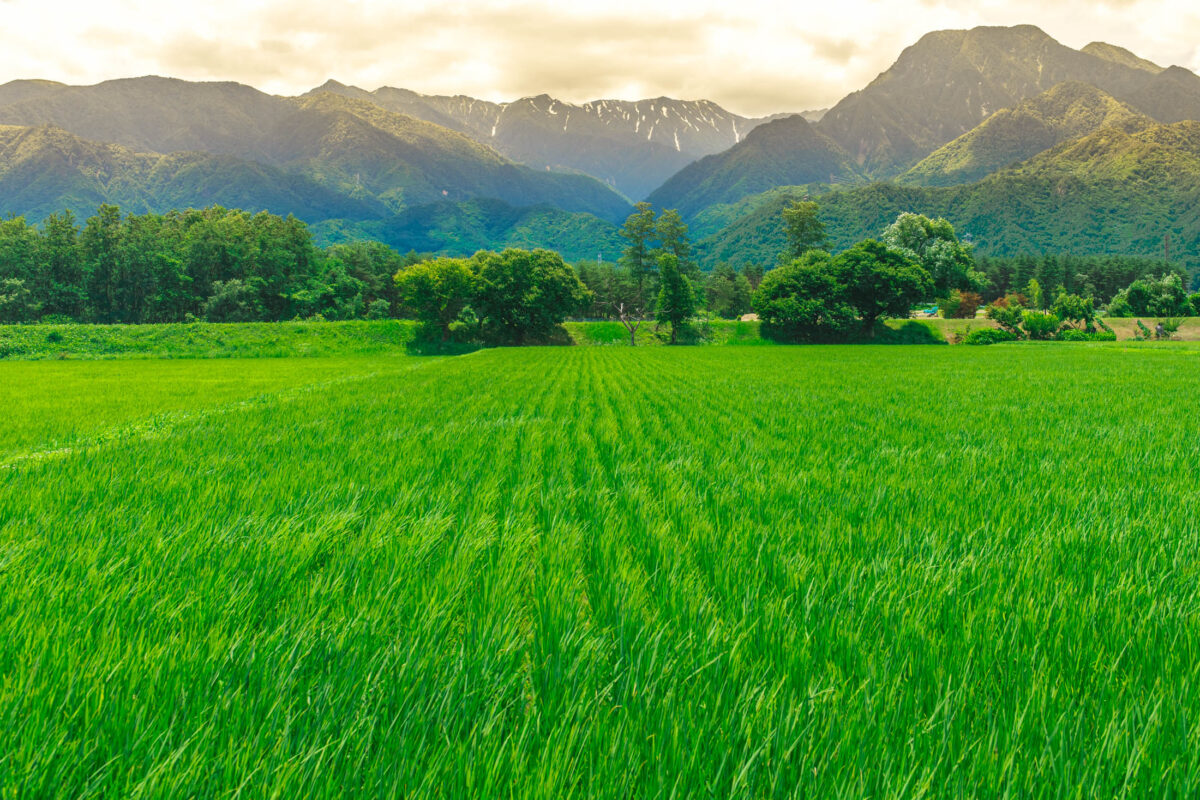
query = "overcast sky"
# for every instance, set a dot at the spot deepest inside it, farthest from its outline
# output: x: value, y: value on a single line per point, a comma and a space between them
x: 752, y: 56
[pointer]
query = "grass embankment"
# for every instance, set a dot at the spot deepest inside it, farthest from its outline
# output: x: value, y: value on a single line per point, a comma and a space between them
x: 329, y: 339
x: 336, y: 339
x: 206, y: 340
x: 613, y: 573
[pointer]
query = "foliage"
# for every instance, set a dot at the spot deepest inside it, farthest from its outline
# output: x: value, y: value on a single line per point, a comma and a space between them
x: 933, y: 244
x: 989, y: 336
x: 880, y: 281
x: 804, y: 301
x: 523, y: 296
x: 1039, y: 325
x: 1152, y: 297
x: 437, y: 292
x: 803, y: 229
x: 1077, y: 335
x: 960, y: 305
x: 1072, y: 308
x: 1008, y: 313
x: 676, y: 302
x: 728, y: 292
x: 638, y: 258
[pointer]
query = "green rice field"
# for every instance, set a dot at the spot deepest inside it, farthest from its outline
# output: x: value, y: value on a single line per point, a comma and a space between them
x: 604, y: 572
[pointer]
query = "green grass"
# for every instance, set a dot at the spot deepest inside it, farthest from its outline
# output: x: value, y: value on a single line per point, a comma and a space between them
x: 614, y: 573
x: 205, y: 340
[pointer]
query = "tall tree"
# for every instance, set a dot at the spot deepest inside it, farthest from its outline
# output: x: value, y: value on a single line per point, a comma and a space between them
x: 803, y: 228
x: 639, y: 258
x: 676, y: 301
x: 880, y: 281
x: 62, y: 258
x: 933, y: 244
x: 101, y: 257
x: 672, y: 233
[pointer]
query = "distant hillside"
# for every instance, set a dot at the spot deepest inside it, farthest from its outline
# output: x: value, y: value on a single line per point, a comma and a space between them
x: 632, y: 145
x: 1068, y: 111
x: 788, y: 151
x: 461, y: 229
x: 352, y: 147
x: 955, y: 99
x: 45, y: 170
x: 1110, y: 192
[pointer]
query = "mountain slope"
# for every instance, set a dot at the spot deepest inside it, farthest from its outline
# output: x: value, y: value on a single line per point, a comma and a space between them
x: 950, y: 81
x: 1068, y: 111
x: 44, y: 170
x: 942, y: 88
x: 631, y: 145
x: 1110, y: 192
x: 351, y: 146
x: 788, y: 151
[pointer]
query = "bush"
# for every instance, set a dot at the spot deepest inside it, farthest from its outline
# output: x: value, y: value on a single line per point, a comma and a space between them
x: 989, y: 336
x: 960, y: 305
x: 1040, y: 325
x: 379, y: 309
x: 1076, y: 335
x: 1006, y: 312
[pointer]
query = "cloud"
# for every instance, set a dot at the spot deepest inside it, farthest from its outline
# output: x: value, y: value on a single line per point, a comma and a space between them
x: 755, y: 56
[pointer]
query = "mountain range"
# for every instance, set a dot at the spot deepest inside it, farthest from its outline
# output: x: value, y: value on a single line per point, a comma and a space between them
x: 1021, y: 141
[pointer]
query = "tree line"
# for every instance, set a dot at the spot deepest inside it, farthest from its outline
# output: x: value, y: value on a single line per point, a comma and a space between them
x: 215, y: 264
x: 226, y: 265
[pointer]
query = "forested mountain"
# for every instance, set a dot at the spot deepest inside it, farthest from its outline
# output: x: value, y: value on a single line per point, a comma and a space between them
x: 1068, y: 111
x: 1110, y: 192
x: 632, y: 145
x: 384, y: 160
x: 942, y: 88
x: 784, y: 152
x: 46, y: 169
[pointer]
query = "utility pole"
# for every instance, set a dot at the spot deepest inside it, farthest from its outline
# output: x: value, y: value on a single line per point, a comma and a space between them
x: 1167, y: 247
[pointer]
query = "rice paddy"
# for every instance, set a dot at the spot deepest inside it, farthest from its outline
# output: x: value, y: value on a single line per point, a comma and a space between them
x: 604, y: 572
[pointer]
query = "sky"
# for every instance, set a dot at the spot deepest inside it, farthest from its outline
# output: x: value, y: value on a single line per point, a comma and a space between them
x: 752, y: 56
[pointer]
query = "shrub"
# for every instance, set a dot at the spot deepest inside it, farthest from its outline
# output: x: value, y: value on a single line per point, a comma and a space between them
x: 989, y: 336
x: 379, y: 309
x: 1076, y: 335
x: 960, y: 305
x: 1006, y: 312
x: 1039, y: 325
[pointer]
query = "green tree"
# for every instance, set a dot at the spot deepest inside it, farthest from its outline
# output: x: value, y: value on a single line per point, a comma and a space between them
x: 880, y: 281
x: 101, y: 241
x: 803, y: 228
x: 676, y: 302
x: 437, y: 292
x: 672, y: 234
x: 525, y: 295
x: 803, y: 301
x: 233, y: 300
x: 62, y: 259
x: 640, y: 230
x: 728, y: 292
x: 933, y: 244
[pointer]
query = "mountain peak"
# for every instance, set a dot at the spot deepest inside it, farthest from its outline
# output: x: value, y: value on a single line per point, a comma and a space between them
x: 1119, y: 55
